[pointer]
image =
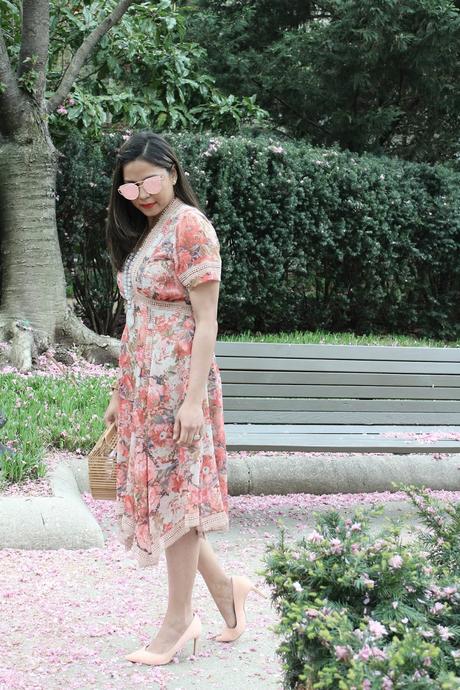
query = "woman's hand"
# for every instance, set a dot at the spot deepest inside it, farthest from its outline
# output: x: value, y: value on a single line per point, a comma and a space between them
x: 188, y: 423
x: 111, y: 413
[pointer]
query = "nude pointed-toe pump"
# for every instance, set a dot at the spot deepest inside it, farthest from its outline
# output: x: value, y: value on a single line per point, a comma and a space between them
x: 242, y: 585
x: 142, y: 656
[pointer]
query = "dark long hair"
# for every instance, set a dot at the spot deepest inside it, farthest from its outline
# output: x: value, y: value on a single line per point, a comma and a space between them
x: 125, y: 223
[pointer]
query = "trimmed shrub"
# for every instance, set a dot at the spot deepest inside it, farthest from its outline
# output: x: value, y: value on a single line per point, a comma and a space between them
x: 311, y: 238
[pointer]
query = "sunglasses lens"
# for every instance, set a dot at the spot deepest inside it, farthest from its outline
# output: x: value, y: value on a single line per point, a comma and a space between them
x: 129, y: 191
x: 152, y: 185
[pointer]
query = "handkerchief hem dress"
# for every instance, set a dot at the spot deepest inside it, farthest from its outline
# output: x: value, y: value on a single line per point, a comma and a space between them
x: 164, y: 490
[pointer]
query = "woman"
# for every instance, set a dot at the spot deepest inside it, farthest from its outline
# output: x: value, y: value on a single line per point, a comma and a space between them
x: 171, y: 456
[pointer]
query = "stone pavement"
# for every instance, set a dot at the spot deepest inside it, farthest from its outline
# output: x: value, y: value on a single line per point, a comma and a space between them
x: 81, y: 611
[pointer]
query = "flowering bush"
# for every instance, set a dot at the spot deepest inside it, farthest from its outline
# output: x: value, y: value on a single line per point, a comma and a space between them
x: 365, y: 612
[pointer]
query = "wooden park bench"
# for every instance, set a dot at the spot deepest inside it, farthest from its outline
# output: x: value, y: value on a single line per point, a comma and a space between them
x: 340, y: 397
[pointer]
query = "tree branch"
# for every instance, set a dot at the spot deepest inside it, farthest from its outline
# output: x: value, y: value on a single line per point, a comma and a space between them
x: 84, y: 51
x: 33, y: 56
x: 10, y: 95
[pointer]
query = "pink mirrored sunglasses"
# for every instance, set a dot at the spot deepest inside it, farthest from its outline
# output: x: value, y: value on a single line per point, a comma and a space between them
x: 131, y: 190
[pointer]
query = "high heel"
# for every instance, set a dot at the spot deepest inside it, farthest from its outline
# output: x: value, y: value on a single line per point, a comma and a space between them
x: 143, y: 656
x: 242, y: 585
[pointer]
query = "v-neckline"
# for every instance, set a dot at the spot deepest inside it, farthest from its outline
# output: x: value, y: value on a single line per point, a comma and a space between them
x: 150, y: 237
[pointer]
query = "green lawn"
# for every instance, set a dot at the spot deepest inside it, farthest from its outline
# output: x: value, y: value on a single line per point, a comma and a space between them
x: 320, y: 337
x: 46, y: 412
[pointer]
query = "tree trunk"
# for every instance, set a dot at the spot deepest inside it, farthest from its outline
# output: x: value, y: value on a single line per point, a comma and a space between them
x: 33, y: 283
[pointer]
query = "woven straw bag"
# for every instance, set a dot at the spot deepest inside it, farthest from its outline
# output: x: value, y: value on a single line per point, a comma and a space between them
x: 102, y: 465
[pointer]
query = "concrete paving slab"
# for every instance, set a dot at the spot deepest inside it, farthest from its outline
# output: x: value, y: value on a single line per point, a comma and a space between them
x: 112, y: 607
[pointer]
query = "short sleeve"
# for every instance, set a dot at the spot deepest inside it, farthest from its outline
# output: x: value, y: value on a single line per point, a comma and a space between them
x: 197, y: 252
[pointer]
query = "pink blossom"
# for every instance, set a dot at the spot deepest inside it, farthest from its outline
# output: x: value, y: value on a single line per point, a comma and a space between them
x: 356, y: 527
x: 336, y: 546
x: 377, y: 629
x: 315, y: 537
x: 342, y: 652
x: 366, y: 684
x: 366, y: 652
x: 438, y: 606
x: 387, y: 684
x: 395, y: 562
x: 312, y: 556
x: 61, y: 110
x: 312, y: 613
x: 444, y: 633
x: 378, y: 545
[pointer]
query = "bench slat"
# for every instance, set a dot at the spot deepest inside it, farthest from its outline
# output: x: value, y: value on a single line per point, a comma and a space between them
x: 332, y: 429
x: 258, y: 364
x: 349, y: 352
x: 278, y: 417
x: 251, y: 390
x: 349, y: 444
x: 339, y: 378
x: 337, y: 405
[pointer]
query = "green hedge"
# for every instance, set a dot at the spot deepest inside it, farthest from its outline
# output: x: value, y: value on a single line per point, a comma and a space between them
x: 311, y: 238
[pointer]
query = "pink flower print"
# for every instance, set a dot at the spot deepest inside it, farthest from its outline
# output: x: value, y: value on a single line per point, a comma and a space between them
x: 183, y: 348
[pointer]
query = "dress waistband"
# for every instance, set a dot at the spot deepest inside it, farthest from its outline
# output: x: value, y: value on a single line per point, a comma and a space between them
x: 162, y: 305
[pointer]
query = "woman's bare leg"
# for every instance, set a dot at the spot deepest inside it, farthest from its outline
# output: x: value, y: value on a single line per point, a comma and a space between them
x: 182, y: 562
x: 219, y: 585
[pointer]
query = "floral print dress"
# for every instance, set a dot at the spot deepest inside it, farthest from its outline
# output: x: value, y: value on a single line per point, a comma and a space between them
x: 164, y: 490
